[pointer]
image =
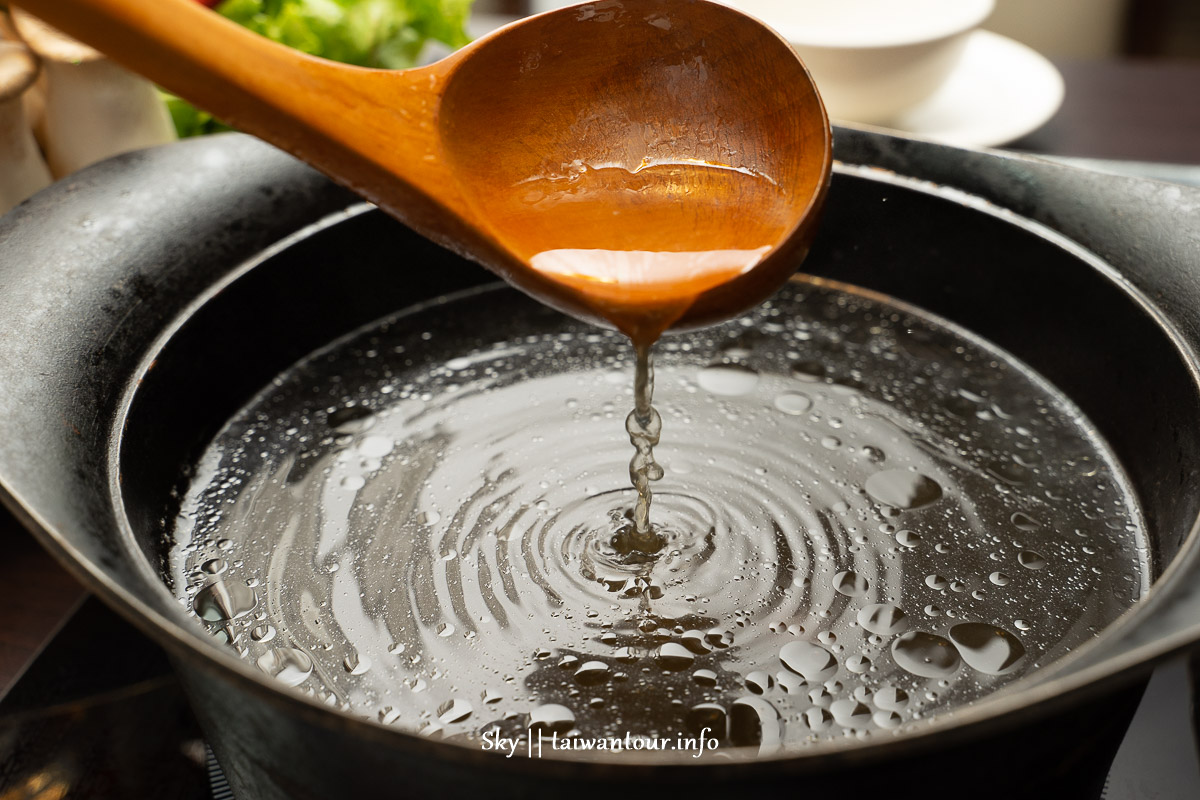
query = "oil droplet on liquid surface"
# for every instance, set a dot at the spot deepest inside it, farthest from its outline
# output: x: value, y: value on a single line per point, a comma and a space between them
x: 926, y: 655
x: 903, y: 489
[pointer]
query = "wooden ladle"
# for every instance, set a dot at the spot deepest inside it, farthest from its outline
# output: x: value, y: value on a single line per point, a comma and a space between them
x: 649, y: 163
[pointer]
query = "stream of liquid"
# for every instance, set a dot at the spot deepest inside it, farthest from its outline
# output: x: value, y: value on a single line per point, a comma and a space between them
x: 867, y: 519
x: 645, y: 428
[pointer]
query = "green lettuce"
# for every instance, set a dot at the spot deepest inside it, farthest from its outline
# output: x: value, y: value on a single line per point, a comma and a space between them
x: 385, y: 34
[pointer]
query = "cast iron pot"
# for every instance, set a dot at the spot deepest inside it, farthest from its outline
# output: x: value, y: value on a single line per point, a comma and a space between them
x: 147, y: 299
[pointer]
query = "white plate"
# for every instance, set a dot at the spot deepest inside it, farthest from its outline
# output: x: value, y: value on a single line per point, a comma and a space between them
x: 1000, y: 91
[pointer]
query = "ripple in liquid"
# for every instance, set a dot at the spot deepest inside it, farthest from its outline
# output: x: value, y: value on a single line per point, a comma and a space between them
x: 431, y: 511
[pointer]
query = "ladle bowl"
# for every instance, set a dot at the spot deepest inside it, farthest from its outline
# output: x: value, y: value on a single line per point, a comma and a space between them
x: 681, y: 131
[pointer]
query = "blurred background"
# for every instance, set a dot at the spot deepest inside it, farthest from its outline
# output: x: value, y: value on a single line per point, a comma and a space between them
x: 1063, y: 28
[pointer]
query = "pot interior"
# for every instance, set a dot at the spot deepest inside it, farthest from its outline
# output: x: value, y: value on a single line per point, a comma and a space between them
x: 1047, y: 304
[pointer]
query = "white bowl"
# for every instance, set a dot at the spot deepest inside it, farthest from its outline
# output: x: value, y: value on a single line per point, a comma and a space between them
x: 873, y: 59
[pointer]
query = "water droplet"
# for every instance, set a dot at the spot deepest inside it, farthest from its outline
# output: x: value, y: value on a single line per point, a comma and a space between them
x: 925, y: 655
x: 907, y: 538
x: 936, y: 582
x: 999, y: 578
x: 793, y: 403
x: 445, y: 629
x: 705, y: 677
x: 729, y: 380
x: 353, y: 482
x: 222, y: 601
x: 991, y: 650
x: 287, y: 665
x: 429, y: 517
x: 883, y: 619
x: 903, y: 489
x: 812, y: 662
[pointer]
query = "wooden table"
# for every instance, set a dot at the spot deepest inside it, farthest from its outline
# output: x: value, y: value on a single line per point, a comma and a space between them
x: 1143, y: 111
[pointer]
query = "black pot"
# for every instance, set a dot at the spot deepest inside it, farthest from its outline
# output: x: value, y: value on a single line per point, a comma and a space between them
x: 146, y: 299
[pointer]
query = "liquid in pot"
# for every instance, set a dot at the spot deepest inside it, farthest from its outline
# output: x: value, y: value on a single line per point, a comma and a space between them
x: 868, y: 517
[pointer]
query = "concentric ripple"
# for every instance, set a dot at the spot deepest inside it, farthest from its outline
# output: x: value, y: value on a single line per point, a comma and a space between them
x: 867, y: 518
